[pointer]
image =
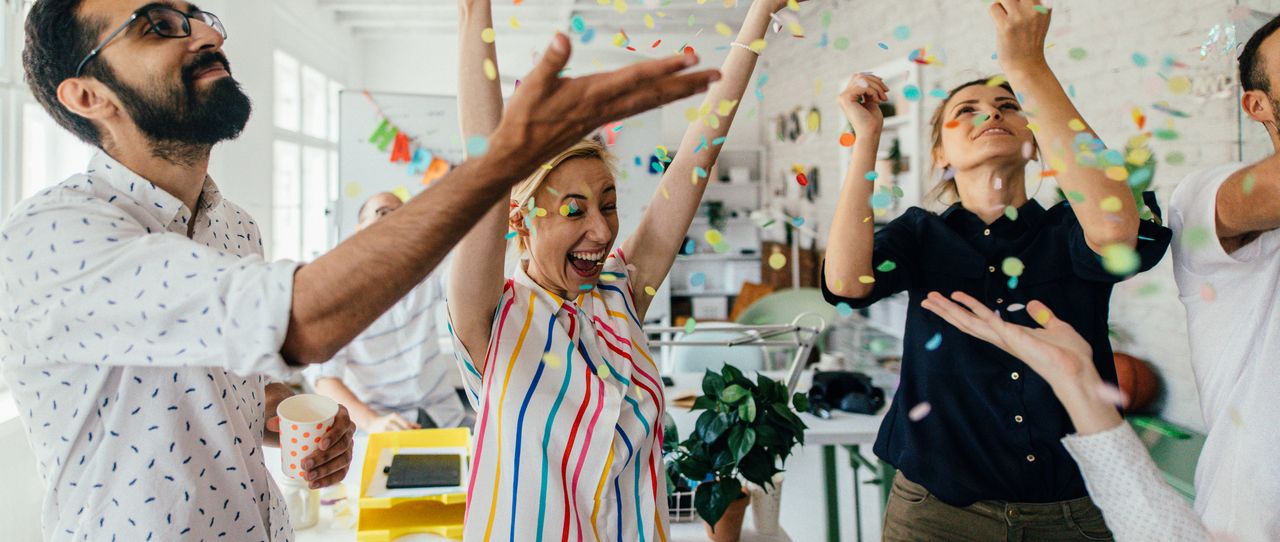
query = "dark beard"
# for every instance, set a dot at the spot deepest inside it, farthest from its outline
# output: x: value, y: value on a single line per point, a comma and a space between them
x: 184, y: 122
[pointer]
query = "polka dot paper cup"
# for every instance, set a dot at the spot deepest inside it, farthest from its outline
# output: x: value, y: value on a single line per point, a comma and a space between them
x: 304, y: 420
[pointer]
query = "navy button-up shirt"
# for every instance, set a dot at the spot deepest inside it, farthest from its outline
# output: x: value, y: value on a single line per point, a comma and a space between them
x: 994, y: 427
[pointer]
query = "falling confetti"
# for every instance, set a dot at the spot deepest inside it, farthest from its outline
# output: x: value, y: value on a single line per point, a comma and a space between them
x: 886, y: 266
x: 843, y: 309
x: 1077, y: 53
x: 1111, y: 204
x: 713, y: 237
x: 1120, y: 260
x: 871, y: 176
x: 902, y: 33
x: 919, y: 411
x: 934, y: 342
x: 911, y: 93
x: 867, y: 279
x: 698, y: 280
x: 847, y: 139
x: 1208, y: 293
x: 488, y: 35
x: 552, y: 360
x: 1016, y: 307
x: 649, y: 290
x: 777, y: 261
x: 690, y: 325
x: 1012, y: 267
x: 1043, y: 317
x: 477, y: 145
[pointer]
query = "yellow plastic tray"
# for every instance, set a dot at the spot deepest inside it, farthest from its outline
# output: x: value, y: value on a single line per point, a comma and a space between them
x: 383, y: 519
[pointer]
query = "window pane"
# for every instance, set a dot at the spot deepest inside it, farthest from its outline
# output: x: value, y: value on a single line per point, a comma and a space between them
x: 315, y: 192
x: 286, y: 237
x: 335, y: 92
x: 49, y: 154
x: 315, y: 109
x: 288, y: 97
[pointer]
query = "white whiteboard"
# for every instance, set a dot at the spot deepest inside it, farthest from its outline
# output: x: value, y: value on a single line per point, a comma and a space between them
x: 363, y: 170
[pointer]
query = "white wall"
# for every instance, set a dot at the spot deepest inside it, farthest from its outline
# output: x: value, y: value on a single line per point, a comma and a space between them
x: 1107, y: 86
x: 243, y: 168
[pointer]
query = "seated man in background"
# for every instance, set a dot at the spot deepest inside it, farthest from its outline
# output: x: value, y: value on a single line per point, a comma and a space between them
x: 394, y: 376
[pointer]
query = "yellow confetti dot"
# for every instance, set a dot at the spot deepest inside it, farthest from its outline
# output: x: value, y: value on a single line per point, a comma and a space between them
x: 796, y: 29
x: 490, y: 71
x: 726, y: 107
x: 1138, y: 157
x: 564, y: 210
x: 724, y: 29
x: 777, y: 260
x: 691, y: 114
x: 540, y: 212
x: 813, y: 121
x: 1111, y: 204
x: 1120, y: 260
x: 839, y: 285
x: 1076, y: 125
x: 515, y: 23
x: 648, y: 21
x: 713, y: 237
x: 619, y: 40
x: 793, y: 5
x: 402, y: 193
x: 1117, y: 173
x: 1179, y: 84
x: 758, y: 45
x: 1043, y: 317
x: 649, y: 290
x: 867, y: 279
x: 997, y: 81
x: 665, y: 193
x: 488, y: 35
x: 553, y: 360
x: 1035, y: 128
x: 353, y: 190
x: 1013, y: 267
x: 603, y: 371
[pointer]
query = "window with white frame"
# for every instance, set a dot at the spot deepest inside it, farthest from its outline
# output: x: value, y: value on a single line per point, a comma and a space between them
x: 306, y: 155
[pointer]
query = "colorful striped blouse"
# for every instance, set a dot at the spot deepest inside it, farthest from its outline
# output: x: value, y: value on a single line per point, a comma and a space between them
x: 568, y: 437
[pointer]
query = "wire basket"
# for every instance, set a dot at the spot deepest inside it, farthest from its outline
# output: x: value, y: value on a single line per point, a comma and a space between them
x: 680, y: 506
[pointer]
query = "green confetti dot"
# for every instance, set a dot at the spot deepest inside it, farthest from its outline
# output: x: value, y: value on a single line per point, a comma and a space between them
x: 886, y: 266
x: 1077, y: 53
x: 1012, y: 267
x: 1175, y: 158
x: 1075, y: 197
x: 1249, y: 181
x: 690, y: 325
x: 1120, y: 260
x: 1166, y: 134
x: 1011, y: 212
x: 1195, y: 237
x: 841, y: 44
x: 980, y: 118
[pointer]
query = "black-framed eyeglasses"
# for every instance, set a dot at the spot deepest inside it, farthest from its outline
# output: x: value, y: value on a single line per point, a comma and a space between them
x: 165, y: 21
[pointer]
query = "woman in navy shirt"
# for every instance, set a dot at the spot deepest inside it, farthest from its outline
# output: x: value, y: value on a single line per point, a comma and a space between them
x: 986, y: 463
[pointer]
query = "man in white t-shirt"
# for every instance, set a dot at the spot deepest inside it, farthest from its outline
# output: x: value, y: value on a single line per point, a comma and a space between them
x: 1227, y: 265
x: 395, y: 376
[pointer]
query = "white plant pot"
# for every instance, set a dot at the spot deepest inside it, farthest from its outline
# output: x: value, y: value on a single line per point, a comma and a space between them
x: 766, y: 509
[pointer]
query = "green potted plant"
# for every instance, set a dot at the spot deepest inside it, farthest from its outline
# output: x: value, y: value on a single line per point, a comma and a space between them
x: 746, y: 432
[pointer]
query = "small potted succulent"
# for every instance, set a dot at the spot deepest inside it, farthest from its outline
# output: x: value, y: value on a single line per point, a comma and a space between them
x: 746, y: 432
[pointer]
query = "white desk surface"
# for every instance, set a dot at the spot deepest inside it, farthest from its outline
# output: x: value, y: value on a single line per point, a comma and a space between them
x: 841, y: 429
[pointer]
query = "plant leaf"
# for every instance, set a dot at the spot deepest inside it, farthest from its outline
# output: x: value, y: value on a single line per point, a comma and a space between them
x: 733, y: 394
x: 741, y: 440
x: 800, y: 401
x: 732, y: 375
x: 706, y: 499
x: 758, y: 467
x: 715, y: 428
x: 712, y: 384
x: 703, y: 403
x: 747, y: 410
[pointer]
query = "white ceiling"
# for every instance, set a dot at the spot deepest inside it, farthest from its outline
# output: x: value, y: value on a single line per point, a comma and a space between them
x: 381, y: 18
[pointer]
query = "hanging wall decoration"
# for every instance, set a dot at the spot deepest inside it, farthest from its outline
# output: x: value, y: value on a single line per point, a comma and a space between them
x: 405, y: 149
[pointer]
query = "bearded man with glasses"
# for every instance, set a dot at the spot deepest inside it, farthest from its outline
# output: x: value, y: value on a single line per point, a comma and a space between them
x: 140, y: 326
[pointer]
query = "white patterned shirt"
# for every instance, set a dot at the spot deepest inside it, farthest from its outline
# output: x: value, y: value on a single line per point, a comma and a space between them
x: 1132, y: 494
x: 138, y: 356
x: 397, y: 366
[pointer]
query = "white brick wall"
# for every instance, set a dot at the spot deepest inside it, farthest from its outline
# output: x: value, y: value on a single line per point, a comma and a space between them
x: 1107, y: 86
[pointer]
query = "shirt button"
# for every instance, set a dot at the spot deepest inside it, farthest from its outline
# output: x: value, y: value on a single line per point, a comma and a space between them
x: 1031, y: 458
x: 999, y: 300
x: 1018, y: 418
x: 1015, y: 376
x: 987, y: 232
x: 1013, y: 512
x: 991, y: 269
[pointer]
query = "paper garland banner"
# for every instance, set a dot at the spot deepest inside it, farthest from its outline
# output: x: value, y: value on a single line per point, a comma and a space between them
x: 405, y: 149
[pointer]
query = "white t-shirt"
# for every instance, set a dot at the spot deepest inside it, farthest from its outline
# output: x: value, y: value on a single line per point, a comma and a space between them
x: 1233, y: 316
x: 396, y: 365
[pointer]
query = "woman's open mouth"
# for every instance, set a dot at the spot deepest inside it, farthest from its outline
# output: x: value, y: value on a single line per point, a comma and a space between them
x: 586, y: 264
